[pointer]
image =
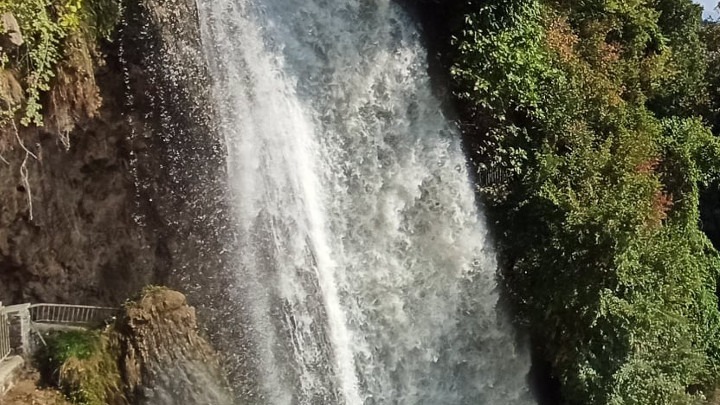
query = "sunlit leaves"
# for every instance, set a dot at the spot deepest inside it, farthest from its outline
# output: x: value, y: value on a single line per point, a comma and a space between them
x: 599, y: 229
x: 45, y: 25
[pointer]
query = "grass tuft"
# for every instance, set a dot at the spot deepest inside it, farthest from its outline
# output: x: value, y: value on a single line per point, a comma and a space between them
x: 83, y: 365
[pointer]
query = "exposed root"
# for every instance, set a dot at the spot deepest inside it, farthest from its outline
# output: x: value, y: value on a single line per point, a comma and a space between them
x: 24, y: 176
x: 20, y: 142
x: 26, y: 183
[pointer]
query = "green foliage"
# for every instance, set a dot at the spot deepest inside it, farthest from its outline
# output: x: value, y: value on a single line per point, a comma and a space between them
x: 65, y: 345
x: 590, y: 103
x: 682, y: 89
x: 42, y: 32
x: 83, y: 364
x: 45, y: 25
x: 710, y: 35
x: 501, y: 73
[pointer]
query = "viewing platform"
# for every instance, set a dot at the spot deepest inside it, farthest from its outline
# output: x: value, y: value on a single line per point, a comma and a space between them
x: 22, y: 327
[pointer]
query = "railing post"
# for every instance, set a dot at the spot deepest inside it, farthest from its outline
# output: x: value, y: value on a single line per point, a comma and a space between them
x: 19, y: 321
x: 5, y: 347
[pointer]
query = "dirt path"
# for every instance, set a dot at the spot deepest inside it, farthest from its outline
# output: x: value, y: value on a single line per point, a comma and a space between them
x: 27, y: 392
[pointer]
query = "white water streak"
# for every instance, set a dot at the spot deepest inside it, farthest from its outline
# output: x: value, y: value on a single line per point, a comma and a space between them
x: 364, y: 263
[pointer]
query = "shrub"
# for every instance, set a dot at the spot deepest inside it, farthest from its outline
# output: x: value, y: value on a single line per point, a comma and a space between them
x: 83, y: 365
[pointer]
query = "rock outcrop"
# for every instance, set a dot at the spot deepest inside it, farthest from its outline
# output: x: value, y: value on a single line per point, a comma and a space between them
x: 163, y: 358
x: 11, y: 36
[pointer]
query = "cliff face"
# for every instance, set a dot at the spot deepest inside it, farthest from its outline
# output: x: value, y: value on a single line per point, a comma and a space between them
x: 138, y: 198
x: 123, y: 185
x: 67, y: 204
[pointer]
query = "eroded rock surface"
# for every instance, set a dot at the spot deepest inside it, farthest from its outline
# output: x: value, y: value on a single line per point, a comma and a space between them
x: 68, y: 201
x: 164, y: 360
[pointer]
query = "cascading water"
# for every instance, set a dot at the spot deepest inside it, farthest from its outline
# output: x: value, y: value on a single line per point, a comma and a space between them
x: 363, y: 264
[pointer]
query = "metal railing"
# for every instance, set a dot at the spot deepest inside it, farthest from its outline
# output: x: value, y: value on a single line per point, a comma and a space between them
x: 5, y: 347
x: 78, y: 315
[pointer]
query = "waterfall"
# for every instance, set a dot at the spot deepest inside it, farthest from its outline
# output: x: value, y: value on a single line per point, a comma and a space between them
x: 362, y: 262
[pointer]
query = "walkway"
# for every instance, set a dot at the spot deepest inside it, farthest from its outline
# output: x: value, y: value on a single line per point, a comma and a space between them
x: 19, y: 323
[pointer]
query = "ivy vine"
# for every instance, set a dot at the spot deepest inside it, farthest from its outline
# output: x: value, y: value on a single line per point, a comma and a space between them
x: 45, y: 24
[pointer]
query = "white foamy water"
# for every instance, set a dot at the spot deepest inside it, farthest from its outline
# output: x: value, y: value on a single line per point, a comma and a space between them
x: 363, y: 262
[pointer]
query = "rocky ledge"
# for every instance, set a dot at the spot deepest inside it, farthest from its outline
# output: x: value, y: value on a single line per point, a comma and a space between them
x: 152, y: 354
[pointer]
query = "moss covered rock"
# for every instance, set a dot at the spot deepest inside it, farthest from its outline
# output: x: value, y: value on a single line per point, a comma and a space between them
x: 152, y: 355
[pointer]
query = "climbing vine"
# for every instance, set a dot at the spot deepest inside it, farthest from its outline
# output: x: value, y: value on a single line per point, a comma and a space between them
x: 36, y: 38
x: 44, y: 26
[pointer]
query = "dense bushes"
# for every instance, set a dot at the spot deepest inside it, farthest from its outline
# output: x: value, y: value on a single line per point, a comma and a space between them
x: 591, y: 105
x: 711, y: 38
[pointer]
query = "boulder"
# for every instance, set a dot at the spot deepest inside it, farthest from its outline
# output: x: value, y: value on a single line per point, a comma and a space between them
x: 11, y: 33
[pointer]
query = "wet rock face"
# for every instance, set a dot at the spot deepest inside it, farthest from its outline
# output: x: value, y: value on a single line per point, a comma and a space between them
x: 164, y: 360
x: 183, y: 169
